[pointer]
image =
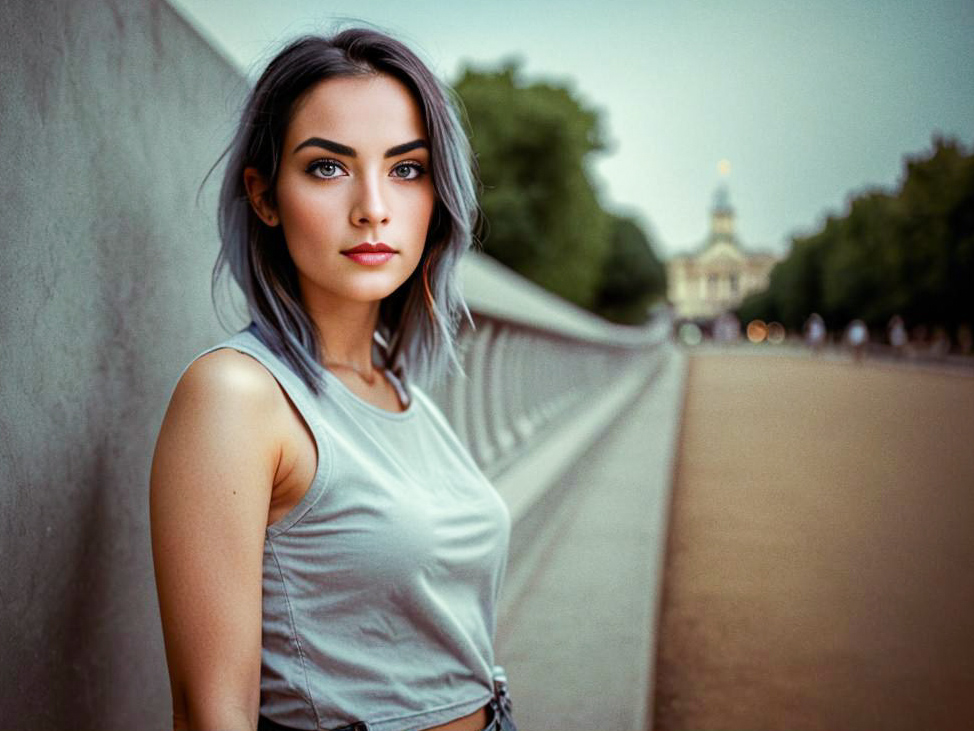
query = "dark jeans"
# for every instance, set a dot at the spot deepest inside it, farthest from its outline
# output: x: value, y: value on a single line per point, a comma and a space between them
x: 500, y: 706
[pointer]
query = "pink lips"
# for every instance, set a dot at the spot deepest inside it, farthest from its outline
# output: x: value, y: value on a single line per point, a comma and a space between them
x: 370, y: 254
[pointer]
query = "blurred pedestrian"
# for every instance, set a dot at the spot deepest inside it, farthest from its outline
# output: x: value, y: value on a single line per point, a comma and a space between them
x: 896, y: 334
x: 965, y: 339
x: 727, y: 328
x: 857, y: 337
x: 940, y: 345
x: 815, y: 332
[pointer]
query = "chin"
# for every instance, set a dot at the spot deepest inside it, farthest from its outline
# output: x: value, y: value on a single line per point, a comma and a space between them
x: 361, y: 287
x: 374, y: 292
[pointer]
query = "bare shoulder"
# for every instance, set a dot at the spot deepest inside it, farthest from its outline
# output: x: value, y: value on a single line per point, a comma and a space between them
x: 227, y: 390
x: 228, y: 379
x: 227, y: 408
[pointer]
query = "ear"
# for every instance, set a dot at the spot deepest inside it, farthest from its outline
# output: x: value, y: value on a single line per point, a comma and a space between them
x: 257, y: 193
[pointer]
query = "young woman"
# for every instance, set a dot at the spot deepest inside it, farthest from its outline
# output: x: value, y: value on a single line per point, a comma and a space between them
x: 327, y: 553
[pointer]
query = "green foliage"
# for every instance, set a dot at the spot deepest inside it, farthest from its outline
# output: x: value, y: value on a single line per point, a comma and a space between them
x: 909, y: 253
x: 936, y: 227
x: 632, y: 275
x: 543, y: 216
x: 795, y: 286
x: 759, y: 306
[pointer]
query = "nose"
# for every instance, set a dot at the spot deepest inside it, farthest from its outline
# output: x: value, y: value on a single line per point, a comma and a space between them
x: 369, y: 206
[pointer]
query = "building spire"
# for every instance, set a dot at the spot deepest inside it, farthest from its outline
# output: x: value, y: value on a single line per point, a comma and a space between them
x: 722, y: 217
x: 722, y: 200
x: 722, y: 206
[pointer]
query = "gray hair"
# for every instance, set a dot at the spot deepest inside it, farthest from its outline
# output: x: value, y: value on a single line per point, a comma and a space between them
x: 418, y: 322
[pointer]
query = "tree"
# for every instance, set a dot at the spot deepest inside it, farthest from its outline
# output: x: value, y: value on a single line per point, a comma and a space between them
x: 909, y: 252
x: 632, y: 276
x: 858, y: 262
x: 543, y: 217
x: 935, y: 211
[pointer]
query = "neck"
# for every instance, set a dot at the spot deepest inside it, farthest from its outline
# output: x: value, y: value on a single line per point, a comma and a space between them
x: 345, y: 332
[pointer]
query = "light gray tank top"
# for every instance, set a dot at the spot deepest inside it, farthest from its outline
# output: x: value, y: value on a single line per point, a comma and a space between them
x: 380, y: 587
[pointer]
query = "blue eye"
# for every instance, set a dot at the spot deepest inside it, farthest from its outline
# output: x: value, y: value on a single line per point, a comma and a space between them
x: 408, y: 171
x: 325, y: 169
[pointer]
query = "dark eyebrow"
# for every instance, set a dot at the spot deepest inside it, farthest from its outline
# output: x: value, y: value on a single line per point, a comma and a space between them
x: 340, y: 149
x: 335, y: 147
x: 403, y: 149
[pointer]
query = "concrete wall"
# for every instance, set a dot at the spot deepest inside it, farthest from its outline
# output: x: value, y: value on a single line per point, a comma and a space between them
x: 110, y: 115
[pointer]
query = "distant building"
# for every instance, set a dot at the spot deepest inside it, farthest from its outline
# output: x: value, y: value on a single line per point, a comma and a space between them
x: 715, y: 280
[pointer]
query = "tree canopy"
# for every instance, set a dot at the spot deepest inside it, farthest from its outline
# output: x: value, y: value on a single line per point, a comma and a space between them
x: 909, y: 252
x: 543, y: 217
x: 632, y: 275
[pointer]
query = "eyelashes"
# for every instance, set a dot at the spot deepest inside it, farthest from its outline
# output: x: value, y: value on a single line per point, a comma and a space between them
x: 412, y: 168
x: 325, y: 169
x: 328, y: 169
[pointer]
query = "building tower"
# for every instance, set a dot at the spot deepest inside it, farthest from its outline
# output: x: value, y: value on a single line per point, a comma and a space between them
x: 715, y: 280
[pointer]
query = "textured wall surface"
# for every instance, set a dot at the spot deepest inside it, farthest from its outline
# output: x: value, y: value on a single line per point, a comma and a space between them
x: 110, y: 115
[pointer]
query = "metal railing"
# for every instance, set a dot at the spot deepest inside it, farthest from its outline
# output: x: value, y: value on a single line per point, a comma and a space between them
x: 533, y: 361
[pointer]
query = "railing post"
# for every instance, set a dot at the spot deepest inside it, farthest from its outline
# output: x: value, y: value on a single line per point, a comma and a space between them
x: 530, y: 360
x: 481, y: 443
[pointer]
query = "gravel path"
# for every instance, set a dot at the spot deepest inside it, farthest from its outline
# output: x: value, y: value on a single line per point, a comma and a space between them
x: 820, y: 568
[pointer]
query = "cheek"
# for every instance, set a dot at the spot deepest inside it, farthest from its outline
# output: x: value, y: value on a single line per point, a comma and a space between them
x: 422, y: 211
x: 306, y: 212
x: 421, y: 223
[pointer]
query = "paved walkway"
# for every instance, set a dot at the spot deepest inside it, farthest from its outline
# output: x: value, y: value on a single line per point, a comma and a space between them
x: 820, y: 570
x: 578, y: 642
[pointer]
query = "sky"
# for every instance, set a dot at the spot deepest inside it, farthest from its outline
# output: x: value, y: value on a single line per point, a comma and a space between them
x: 809, y: 103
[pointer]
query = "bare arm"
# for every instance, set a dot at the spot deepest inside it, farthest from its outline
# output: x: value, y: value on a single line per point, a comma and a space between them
x: 214, y: 467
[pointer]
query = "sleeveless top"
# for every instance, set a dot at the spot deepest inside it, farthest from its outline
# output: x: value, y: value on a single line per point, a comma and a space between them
x: 380, y: 586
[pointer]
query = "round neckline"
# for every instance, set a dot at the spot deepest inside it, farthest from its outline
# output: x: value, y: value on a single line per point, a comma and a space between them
x: 353, y: 397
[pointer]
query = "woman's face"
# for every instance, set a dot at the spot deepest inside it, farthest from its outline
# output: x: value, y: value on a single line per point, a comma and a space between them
x: 354, y: 170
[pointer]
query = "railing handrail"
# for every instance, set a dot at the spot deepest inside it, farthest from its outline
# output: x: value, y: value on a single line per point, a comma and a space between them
x: 536, y: 365
x: 493, y: 290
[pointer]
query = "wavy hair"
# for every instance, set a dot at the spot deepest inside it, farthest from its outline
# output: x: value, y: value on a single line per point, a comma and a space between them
x: 418, y: 322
